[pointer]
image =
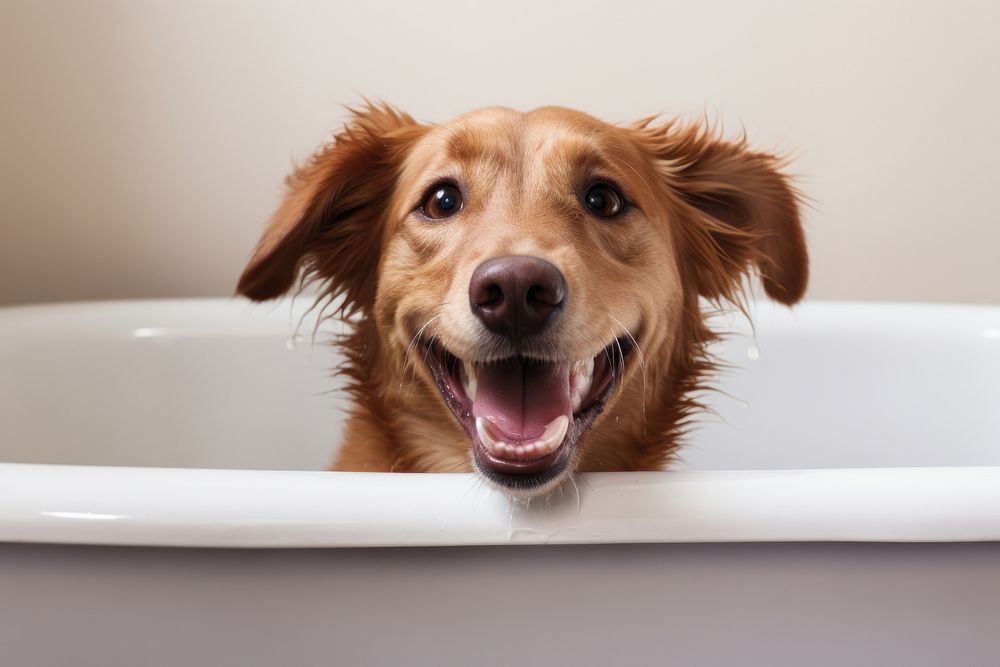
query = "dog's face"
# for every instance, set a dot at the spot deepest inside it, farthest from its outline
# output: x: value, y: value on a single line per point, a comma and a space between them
x: 526, y: 267
x: 522, y: 250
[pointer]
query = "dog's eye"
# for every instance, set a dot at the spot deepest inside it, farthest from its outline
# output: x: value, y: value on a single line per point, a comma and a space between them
x: 604, y: 201
x: 443, y: 201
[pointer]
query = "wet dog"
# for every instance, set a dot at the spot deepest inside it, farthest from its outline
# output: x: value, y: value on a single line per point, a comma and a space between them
x: 523, y: 289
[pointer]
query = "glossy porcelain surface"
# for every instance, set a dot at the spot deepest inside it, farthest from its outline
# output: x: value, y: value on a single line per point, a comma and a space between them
x: 205, y: 423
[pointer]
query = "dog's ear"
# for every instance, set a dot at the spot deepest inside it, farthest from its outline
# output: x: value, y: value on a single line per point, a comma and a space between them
x: 330, y: 224
x: 741, y: 212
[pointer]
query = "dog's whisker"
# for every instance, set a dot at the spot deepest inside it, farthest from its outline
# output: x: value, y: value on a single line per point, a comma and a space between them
x: 576, y: 489
x: 642, y: 366
x: 427, y: 351
x: 457, y: 466
x: 617, y: 365
x: 409, y: 348
x: 607, y: 355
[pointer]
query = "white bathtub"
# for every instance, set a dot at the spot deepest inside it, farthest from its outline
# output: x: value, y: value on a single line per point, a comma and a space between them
x: 843, y: 507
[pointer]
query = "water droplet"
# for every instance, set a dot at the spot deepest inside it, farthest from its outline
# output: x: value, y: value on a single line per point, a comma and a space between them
x: 293, y: 341
x: 753, y: 352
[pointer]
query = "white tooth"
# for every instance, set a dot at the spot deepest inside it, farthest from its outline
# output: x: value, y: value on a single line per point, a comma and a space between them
x: 553, y: 436
x: 485, y: 436
x: 583, y: 377
x: 471, y: 383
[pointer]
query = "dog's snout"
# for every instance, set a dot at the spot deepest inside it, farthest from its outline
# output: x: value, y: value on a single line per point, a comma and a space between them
x: 516, y: 296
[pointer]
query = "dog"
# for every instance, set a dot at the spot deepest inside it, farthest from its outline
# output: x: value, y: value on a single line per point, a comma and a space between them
x: 524, y: 289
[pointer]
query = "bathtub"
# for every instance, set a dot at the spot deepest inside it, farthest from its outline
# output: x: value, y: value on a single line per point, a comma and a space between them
x: 162, y: 503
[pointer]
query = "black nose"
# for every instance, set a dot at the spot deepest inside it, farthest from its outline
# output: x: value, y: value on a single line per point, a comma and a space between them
x: 516, y: 296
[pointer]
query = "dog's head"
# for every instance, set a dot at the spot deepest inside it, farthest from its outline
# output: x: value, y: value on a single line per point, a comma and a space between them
x: 529, y: 264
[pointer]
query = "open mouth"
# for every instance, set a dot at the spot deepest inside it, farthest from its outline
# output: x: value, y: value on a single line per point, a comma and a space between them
x: 525, y: 416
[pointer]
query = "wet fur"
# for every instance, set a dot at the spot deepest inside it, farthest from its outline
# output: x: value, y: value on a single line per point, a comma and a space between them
x: 712, y: 212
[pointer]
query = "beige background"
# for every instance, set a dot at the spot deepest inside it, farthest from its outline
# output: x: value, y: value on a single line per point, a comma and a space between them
x: 142, y: 144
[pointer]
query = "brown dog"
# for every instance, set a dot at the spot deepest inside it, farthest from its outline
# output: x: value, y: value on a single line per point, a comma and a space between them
x: 524, y: 287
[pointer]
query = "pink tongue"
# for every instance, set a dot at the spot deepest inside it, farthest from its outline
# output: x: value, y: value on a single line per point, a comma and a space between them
x: 522, y: 398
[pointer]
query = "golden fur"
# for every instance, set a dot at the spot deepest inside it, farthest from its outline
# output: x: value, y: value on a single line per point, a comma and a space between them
x: 706, y: 213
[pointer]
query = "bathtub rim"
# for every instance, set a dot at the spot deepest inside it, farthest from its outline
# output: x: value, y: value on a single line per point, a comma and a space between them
x: 186, y: 507
x: 48, y: 503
